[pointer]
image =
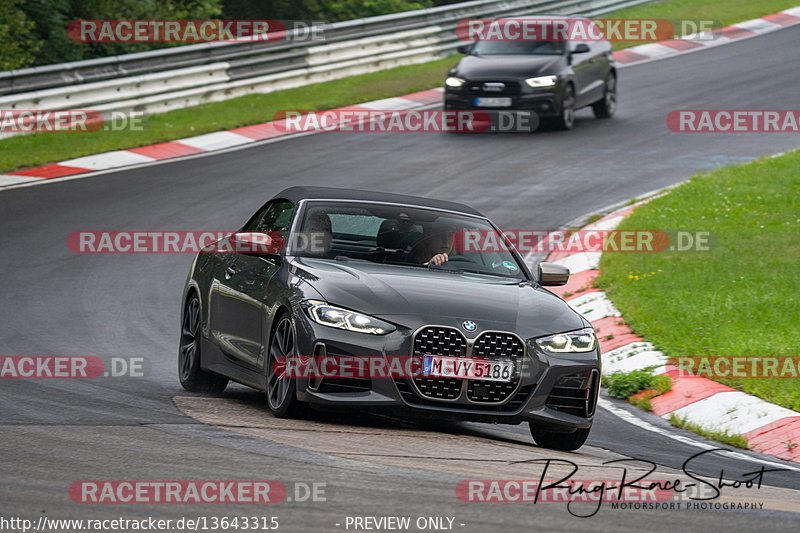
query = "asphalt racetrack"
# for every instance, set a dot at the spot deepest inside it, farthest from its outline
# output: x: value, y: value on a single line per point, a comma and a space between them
x: 56, y: 432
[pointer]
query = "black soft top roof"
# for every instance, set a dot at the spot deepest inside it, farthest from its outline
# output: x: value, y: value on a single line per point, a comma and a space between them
x: 295, y: 194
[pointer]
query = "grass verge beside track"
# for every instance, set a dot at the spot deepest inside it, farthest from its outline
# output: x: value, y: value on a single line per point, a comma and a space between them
x: 719, y: 436
x: 740, y: 299
x: 39, y: 149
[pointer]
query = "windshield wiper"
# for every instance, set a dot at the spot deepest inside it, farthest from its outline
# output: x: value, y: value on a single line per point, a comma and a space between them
x: 440, y: 267
x: 471, y: 271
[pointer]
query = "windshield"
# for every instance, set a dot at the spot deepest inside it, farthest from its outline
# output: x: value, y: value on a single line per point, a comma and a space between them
x: 486, y: 48
x: 398, y: 235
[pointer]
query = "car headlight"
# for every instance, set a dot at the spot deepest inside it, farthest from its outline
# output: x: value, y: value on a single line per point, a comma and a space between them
x: 580, y: 340
x: 454, y: 82
x: 339, y: 317
x: 542, y: 81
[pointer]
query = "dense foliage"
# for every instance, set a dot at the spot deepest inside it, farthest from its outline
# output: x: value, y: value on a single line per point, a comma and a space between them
x: 34, y: 32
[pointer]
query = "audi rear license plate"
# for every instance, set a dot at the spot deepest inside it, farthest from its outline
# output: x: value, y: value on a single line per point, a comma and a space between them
x: 436, y: 366
x: 494, y: 101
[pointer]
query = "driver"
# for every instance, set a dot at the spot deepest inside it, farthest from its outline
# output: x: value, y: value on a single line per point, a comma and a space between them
x: 436, y: 248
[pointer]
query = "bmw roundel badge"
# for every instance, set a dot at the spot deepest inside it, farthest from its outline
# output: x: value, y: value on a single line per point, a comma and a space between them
x: 469, y: 325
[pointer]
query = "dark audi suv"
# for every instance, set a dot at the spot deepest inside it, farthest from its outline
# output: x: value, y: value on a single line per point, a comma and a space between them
x: 352, y: 275
x: 549, y: 78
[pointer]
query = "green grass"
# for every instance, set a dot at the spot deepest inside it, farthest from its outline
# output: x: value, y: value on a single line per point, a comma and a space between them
x: 38, y: 149
x: 641, y: 403
x: 720, y: 436
x: 739, y: 299
x: 725, y: 12
x: 42, y: 148
x: 625, y: 384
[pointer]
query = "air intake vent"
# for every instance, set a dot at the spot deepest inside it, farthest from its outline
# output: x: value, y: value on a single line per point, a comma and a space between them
x: 575, y: 393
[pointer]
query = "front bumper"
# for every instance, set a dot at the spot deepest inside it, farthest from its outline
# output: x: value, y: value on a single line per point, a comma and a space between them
x: 544, y: 395
x: 544, y: 102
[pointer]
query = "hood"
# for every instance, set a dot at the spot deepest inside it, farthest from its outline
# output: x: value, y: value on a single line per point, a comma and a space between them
x: 474, y: 67
x: 412, y: 297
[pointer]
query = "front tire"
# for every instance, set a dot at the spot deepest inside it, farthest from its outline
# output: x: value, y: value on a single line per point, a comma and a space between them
x: 607, y: 107
x: 282, y: 390
x: 566, y: 120
x: 192, y: 377
x: 559, y: 441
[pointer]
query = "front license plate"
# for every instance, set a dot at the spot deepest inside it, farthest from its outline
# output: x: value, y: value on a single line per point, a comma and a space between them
x: 496, y: 101
x: 435, y: 366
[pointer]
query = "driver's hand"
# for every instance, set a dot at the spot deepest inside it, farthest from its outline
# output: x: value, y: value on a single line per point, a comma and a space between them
x: 438, y: 259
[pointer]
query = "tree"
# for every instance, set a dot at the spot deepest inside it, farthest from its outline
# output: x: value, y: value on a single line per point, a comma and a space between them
x: 328, y: 11
x: 34, y: 32
x: 18, y: 47
x: 52, y: 17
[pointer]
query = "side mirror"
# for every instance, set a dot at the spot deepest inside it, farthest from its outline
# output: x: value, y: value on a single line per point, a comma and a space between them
x: 552, y: 274
x: 581, y: 48
x: 463, y: 49
x: 263, y: 244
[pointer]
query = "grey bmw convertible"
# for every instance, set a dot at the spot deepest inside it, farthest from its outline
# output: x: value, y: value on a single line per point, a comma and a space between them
x: 324, y: 275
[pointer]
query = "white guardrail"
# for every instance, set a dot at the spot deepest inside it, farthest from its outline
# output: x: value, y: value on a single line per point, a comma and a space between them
x: 184, y: 76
